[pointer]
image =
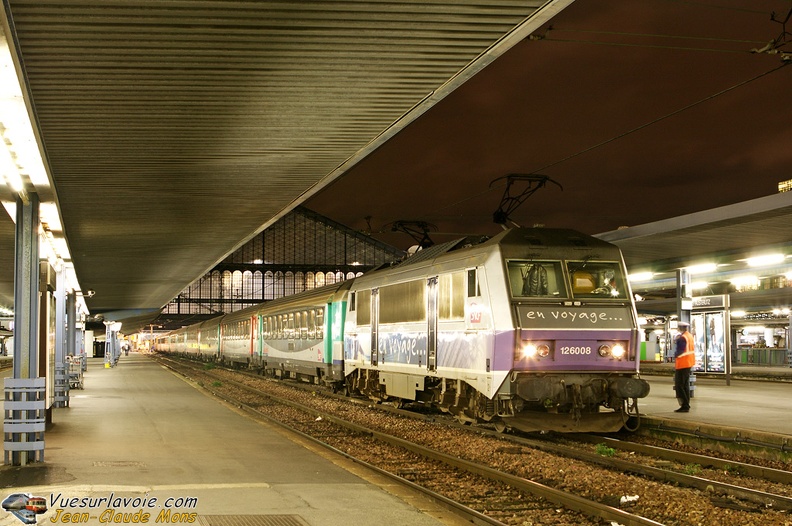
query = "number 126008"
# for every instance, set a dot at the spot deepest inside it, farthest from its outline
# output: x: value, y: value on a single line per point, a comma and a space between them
x: 575, y: 350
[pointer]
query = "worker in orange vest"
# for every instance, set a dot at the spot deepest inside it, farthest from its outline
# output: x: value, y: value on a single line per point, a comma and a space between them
x: 685, y: 359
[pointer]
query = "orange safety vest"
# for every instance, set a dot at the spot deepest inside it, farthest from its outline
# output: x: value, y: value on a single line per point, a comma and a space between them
x: 687, y: 359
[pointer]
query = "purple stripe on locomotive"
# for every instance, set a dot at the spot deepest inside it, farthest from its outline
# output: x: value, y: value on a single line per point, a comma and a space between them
x: 576, y: 350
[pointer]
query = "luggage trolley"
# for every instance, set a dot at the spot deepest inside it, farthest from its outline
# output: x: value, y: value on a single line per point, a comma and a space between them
x: 75, y: 372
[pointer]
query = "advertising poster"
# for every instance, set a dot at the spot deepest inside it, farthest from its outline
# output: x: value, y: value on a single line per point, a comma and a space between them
x: 716, y: 342
x: 708, y: 330
x: 697, y: 324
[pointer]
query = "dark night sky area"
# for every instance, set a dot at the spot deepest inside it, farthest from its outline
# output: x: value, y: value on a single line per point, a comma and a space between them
x: 604, y: 69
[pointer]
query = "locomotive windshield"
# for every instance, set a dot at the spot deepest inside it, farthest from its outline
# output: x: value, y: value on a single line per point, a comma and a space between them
x: 587, y: 279
x: 537, y: 279
x: 596, y: 280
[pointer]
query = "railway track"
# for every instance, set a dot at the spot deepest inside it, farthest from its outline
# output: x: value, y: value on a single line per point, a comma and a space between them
x: 519, y: 468
x: 480, y: 493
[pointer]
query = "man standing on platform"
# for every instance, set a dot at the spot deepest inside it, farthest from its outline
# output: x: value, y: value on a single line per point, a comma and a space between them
x: 685, y: 359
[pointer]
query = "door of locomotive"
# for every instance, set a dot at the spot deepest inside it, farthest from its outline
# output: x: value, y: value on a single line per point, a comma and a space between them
x: 431, y: 333
x: 374, y: 327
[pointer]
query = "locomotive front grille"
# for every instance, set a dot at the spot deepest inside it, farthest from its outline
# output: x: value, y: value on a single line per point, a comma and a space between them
x: 559, y: 389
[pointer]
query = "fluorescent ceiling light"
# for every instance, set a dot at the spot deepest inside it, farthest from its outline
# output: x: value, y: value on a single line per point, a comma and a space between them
x: 641, y: 276
x: 745, y: 281
x: 702, y: 269
x: 48, y: 213
x: 768, y: 259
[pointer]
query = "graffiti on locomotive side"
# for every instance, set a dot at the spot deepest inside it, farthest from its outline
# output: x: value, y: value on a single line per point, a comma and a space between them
x: 570, y: 317
x: 403, y: 347
x: 591, y: 317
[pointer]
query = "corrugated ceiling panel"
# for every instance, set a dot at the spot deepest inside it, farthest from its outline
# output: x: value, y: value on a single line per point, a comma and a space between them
x: 175, y: 129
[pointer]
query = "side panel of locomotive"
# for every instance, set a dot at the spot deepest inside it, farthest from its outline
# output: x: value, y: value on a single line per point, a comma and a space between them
x: 416, y: 330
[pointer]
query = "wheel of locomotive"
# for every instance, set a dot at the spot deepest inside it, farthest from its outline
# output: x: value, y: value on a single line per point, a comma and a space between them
x: 500, y: 426
x: 340, y: 389
x: 463, y: 419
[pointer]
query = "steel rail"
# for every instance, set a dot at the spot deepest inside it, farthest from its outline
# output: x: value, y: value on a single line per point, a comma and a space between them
x: 772, y: 474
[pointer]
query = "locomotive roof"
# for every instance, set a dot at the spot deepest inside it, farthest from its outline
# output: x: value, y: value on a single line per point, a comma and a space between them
x: 513, y: 243
x: 565, y: 242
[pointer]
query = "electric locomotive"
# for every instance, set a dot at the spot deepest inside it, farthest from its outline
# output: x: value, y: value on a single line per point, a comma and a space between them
x: 534, y: 329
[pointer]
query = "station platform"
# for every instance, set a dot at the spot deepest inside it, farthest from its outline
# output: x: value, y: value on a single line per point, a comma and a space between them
x: 138, y: 431
x: 753, y: 404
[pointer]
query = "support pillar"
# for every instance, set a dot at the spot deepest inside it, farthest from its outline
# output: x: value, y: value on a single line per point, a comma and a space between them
x: 61, y: 394
x: 684, y: 295
x: 789, y: 341
x: 112, y: 348
x: 25, y: 402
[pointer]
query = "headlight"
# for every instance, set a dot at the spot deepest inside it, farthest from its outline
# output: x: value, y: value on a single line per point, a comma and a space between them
x: 529, y: 350
x: 615, y: 350
x: 534, y: 350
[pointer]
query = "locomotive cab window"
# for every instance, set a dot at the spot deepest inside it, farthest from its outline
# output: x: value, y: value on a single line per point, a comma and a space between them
x: 536, y: 279
x: 473, y: 287
x: 596, y: 280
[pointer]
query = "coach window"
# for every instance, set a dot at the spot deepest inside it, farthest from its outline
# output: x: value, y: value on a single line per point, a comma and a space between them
x: 304, y: 325
x: 312, y: 324
x: 320, y: 323
x: 536, y: 279
x: 290, y: 326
